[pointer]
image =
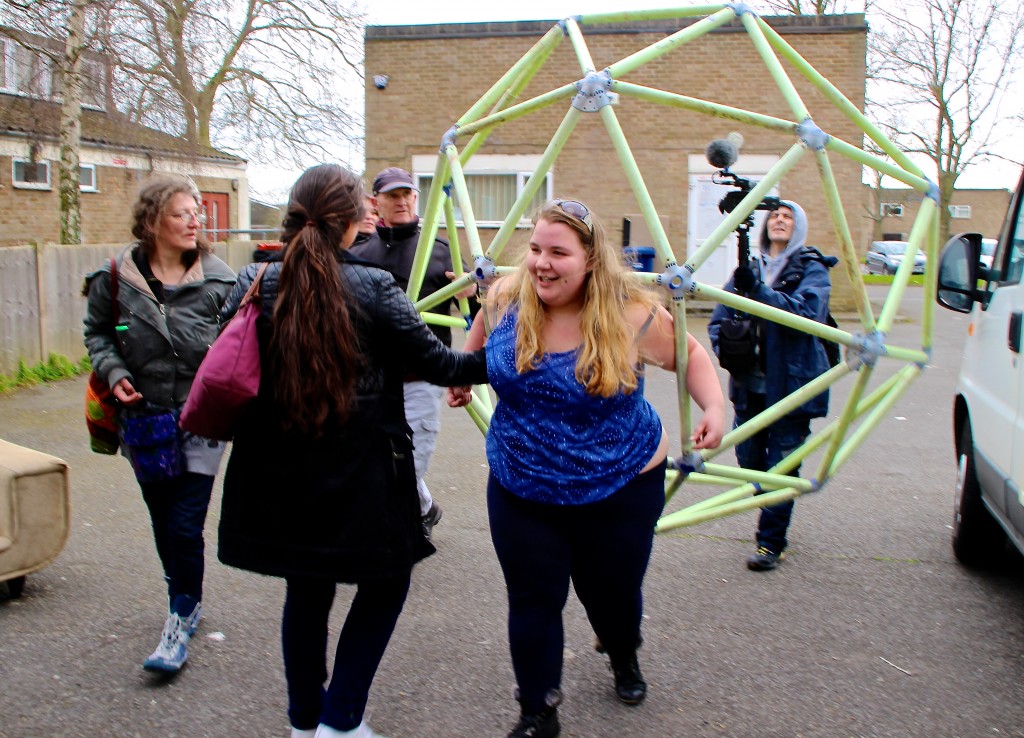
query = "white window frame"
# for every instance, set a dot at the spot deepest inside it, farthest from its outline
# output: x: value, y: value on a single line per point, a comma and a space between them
x: 94, y: 187
x: 7, y: 61
x: 960, y: 212
x: 95, y: 71
x: 521, y: 166
x: 46, y: 72
x: 47, y: 185
x: 892, y: 210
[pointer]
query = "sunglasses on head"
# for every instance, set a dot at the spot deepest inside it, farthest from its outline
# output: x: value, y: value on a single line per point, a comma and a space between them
x: 577, y: 210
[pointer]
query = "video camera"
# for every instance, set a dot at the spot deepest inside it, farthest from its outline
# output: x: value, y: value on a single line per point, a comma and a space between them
x: 722, y: 153
x: 743, y: 186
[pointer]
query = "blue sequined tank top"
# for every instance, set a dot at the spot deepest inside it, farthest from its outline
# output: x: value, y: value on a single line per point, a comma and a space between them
x: 549, y: 441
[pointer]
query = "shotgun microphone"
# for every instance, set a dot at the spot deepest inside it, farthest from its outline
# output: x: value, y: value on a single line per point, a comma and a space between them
x: 722, y: 153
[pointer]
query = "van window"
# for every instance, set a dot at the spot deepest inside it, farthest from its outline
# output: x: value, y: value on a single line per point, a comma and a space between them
x: 1016, y: 243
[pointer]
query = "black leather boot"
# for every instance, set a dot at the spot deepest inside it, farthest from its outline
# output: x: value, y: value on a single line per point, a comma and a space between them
x: 630, y: 686
x: 543, y: 724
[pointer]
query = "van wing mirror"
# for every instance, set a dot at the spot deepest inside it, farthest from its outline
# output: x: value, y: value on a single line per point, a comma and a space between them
x: 958, y: 273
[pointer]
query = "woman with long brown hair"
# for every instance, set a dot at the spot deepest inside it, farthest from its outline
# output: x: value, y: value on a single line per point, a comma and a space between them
x: 320, y: 487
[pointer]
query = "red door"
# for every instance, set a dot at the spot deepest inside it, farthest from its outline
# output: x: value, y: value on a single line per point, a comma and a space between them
x: 215, y: 205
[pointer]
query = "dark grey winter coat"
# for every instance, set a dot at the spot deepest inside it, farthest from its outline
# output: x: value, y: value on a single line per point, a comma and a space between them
x: 394, y: 248
x: 157, y: 346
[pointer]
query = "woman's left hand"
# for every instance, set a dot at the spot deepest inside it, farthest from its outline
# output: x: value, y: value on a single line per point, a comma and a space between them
x: 125, y: 392
x: 460, y: 396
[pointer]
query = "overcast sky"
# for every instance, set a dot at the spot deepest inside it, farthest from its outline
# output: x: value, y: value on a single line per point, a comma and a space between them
x: 403, y: 12
x: 267, y: 183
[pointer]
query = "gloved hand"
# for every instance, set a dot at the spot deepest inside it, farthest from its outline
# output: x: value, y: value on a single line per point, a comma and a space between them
x: 743, y: 279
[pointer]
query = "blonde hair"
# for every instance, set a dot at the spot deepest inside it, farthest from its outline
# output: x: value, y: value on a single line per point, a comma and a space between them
x: 604, y: 365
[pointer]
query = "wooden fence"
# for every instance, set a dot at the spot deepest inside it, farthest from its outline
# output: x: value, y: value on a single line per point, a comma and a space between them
x: 41, y: 302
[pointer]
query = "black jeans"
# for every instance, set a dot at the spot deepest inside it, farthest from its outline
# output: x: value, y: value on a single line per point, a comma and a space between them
x: 177, y: 510
x: 364, y: 638
x: 763, y: 451
x: 603, y: 548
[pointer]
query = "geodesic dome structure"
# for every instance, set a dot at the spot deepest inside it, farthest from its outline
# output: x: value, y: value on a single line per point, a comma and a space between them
x: 867, y: 352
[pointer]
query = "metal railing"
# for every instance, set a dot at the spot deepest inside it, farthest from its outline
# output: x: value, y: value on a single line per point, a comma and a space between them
x: 225, y: 234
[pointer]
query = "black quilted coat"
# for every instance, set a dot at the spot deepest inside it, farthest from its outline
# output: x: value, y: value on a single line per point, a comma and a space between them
x: 342, y: 506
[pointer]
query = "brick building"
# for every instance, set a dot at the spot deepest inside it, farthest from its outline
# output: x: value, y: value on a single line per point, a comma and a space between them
x: 116, y: 158
x: 428, y: 76
x: 971, y: 211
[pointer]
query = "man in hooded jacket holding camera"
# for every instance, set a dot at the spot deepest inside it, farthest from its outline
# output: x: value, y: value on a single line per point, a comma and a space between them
x: 791, y: 276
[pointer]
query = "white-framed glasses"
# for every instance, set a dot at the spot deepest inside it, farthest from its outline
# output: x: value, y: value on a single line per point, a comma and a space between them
x: 187, y: 216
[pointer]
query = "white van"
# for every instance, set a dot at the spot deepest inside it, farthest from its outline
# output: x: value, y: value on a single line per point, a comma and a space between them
x: 988, y: 407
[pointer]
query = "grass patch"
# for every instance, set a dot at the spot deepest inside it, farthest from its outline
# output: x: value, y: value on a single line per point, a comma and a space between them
x: 916, y: 279
x: 55, y: 368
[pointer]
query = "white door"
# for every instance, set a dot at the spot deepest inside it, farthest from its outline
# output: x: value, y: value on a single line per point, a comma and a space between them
x: 703, y: 215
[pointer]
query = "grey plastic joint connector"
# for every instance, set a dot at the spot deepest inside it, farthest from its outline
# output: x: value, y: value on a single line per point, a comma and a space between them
x: 869, y: 348
x: 594, y: 92
x: 811, y: 136
x: 924, y: 364
x: 484, y: 270
x: 816, y: 486
x: 678, y: 280
x: 933, y: 191
x: 448, y: 139
x: 688, y: 463
x: 740, y: 8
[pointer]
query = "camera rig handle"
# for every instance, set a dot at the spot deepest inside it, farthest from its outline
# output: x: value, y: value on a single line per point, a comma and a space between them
x: 732, y: 199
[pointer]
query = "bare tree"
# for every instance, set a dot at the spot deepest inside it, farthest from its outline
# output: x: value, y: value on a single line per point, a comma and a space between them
x: 235, y: 73
x: 813, y: 7
x: 55, y: 73
x: 944, y: 68
x: 873, y: 203
x: 71, y: 125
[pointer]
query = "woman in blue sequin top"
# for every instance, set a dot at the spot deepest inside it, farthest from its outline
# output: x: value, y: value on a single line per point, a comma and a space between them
x: 577, y: 455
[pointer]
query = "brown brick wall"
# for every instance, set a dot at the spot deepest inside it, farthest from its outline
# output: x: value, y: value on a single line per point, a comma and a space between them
x: 988, y: 210
x: 436, y: 77
x: 33, y: 215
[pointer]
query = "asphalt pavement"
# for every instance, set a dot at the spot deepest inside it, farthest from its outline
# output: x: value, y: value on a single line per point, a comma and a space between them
x: 869, y: 628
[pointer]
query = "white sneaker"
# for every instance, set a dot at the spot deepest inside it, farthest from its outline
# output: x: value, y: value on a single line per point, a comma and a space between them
x: 172, y: 652
x: 360, y: 731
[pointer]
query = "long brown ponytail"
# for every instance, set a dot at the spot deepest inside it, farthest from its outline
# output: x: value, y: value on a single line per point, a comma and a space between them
x: 314, y: 348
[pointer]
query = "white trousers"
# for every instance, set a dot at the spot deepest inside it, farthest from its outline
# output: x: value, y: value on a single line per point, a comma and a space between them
x: 423, y: 413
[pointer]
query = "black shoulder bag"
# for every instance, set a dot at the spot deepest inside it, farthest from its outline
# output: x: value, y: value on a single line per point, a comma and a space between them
x: 738, y: 344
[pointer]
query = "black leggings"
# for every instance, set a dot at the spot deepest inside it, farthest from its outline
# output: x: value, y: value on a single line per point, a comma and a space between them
x: 602, y: 547
x: 361, y: 645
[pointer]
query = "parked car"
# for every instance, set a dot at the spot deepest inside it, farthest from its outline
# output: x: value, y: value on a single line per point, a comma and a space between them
x: 988, y: 402
x: 265, y: 251
x: 885, y: 257
x: 988, y: 249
